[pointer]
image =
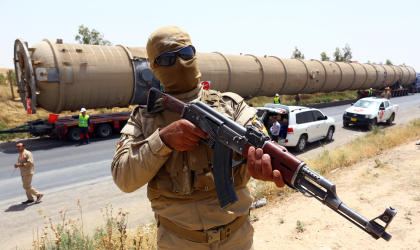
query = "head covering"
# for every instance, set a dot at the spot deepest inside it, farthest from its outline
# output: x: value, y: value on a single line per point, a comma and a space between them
x: 277, y: 95
x: 83, y: 110
x: 183, y: 75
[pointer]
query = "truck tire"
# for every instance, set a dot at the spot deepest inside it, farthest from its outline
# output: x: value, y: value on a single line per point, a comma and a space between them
x: 391, y: 119
x: 330, y: 133
x: 104, y: 130
x: 372, y: 124
x: 301, y: 145
x: 73, y: 134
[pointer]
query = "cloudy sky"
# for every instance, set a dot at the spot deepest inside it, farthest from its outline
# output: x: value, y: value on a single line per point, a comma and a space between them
x: 375, y: 30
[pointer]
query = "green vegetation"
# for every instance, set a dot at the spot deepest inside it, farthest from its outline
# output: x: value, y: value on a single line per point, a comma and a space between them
x: 297, y: 54
x: 306, y: 99
x: 8, y: 137
x: 3, y: 79
x: 68, y: 233
x: 86, y: 36
x: 300, y: 226
x: 343, y: 55
x: 324, y: 56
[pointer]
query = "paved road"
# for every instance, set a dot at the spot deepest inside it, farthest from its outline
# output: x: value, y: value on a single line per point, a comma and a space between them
x: 61, y: 164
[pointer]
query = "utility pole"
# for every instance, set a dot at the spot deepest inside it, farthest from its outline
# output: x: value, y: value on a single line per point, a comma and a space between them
x: 10, y: 77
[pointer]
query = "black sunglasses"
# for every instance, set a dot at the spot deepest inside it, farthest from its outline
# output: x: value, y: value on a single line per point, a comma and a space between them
x: 169, y: 58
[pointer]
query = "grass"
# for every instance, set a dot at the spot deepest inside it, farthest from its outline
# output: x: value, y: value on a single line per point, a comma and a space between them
x: 306, y: 99
x: 300, y: 226
x: 372, y: 144
x: 67, y: 233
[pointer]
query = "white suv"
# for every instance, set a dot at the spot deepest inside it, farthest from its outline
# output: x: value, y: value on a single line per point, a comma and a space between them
x: 300, y: 125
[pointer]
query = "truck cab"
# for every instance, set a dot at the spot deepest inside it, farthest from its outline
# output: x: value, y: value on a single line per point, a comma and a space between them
x: 370, y: 111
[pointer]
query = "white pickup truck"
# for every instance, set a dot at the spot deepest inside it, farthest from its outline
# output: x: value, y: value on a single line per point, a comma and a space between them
x: 370, y: 111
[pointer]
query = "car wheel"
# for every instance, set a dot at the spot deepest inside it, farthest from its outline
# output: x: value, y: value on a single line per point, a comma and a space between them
x: 330, y: 133
x: 372, y: 124
x: 73, y: 134
x: 104, y: 130
x: 301, y: 145
x: 391, y: 119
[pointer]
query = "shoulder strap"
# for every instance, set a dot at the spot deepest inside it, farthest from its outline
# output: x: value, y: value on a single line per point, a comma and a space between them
x: 235, y: 97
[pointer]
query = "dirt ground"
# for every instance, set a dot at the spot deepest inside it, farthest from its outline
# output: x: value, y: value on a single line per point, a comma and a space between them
x: 389, y: 179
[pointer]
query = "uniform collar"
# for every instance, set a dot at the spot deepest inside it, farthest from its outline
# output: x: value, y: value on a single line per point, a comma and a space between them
x: 189, y: 95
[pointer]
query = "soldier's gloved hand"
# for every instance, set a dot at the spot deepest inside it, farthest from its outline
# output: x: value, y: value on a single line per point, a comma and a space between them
x: 259, y: 167
x: 182, y: 135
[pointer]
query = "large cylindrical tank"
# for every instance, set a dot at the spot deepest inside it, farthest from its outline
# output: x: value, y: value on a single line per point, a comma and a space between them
x: 60, y: 76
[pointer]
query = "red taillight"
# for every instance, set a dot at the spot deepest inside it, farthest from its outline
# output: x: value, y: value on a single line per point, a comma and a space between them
x: 289, y: 130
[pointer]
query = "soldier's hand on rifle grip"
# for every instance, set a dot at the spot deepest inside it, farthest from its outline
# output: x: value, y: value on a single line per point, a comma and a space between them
x: 259, y: 167
x: 182, y: 135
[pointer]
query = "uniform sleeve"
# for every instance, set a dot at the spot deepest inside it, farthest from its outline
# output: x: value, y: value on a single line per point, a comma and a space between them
x: 29, y: 160
x: 137, y: 159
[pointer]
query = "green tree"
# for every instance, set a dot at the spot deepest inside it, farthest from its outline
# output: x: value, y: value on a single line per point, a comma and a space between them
x: 86, y: 36
x: 337, y: 55
x: 297, y: 54
x: 324, y: 56
x: 388, y: 62
x: 347, y: 54
x: 343, y: 55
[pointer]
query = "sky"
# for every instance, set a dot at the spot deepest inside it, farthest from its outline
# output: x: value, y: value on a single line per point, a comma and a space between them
x: 375, y: 30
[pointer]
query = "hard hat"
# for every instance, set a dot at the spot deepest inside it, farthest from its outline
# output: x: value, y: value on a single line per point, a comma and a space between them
x: 83, y: 110
x: 277, y: 95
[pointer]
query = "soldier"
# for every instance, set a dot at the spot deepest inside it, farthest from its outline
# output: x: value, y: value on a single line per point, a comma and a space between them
x: 26, y: 166
x: 165, y: 152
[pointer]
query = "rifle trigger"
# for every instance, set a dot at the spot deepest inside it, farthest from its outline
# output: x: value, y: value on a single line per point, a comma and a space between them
x: 238, y: 163
x: 305, y: 192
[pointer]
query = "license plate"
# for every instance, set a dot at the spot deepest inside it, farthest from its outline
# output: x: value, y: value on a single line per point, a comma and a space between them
x: 353, y: 119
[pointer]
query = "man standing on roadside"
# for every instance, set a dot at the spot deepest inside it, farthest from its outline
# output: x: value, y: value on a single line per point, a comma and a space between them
x: 26, y: 166
x: 84, y: 123
x: 277, y: 99
x: 166, y: 153
x: 275, y: 129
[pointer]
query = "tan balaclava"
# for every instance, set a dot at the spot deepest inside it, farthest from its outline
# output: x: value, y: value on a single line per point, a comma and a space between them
x: 181, y: 77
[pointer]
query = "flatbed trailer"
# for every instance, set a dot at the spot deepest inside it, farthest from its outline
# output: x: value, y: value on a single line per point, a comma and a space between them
x: 101, y: 125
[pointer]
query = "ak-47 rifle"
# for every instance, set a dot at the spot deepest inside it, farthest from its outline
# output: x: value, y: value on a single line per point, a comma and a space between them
x: 227, y: 136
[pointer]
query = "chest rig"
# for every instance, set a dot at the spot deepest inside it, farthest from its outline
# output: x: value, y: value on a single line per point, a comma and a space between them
x: 188, y: 175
